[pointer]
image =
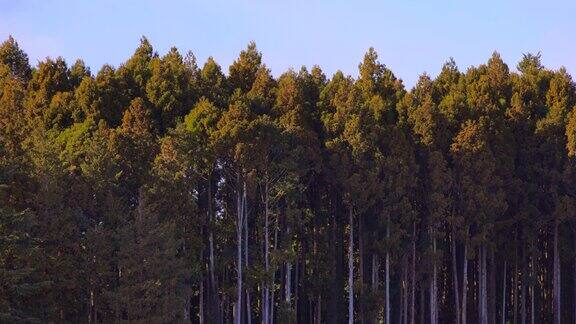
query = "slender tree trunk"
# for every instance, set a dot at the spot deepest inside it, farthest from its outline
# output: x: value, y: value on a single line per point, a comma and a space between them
x: 405, y: 303
x: 482, y: 282
x: 515, y: 290
x: 239, y: 223
x: 455, y: 275
x: 375, y: 282
x: 556, y: 281
x: 351, y: 269
x: 523, y: 301
x: 266, y: 297
x: 433, y: 293
x: 318, y: 310
x: 361, y: 268
x: 201, y: 316
x: 375, y: 272
x: 213, y: 284
x: 387, y: 278
x: 92, y: 311
x: 288, y: 284
x: 248, y: 300
x: 413, y: 276
x: 480, y: 288
x: 401, y: 319
x: 532, y: 308
x: 464, y: 282
x: 504, y: 295
x: 273, y: 274
x: 422, y: 307
x: 297, y: 267
x: 492, y: 289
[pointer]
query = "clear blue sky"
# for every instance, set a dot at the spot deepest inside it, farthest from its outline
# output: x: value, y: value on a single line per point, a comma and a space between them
x: 410, y: 36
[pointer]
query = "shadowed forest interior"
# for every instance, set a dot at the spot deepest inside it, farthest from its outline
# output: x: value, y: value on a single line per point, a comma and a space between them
x: 169, y: 190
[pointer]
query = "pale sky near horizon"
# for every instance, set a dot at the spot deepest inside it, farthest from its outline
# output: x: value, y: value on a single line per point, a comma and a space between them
x: 410, y: 36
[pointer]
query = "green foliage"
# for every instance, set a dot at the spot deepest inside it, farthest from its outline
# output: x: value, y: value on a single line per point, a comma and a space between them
x: 122, y: 193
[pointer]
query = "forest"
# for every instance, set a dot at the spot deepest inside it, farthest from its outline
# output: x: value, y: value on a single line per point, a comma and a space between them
x: 168, y: 191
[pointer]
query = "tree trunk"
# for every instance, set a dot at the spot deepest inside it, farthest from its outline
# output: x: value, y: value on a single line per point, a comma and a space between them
x: 288, y: 284
x: 455, y: 275
x: 484, y: 286
x: 361, y: 268
x: 504, y: 295
x: 351, y: 269
x: 402, y: 293
x: 556, y: 280
x: 375, y: 282
x: 213, y: 284
x: 318, y: 310
x: 532, y: 308
x: 480, y: 288
x: 433, y: 293
x: 405, y: 302
x: 523, y: 301
x: 248, y: 301
x: 422, y: 307
x: 387, y: 276
x: 201, y: 316
x: 492, y: 293
x: 465, y: 282
x: 266, y: 297
x: 239, y: 223
x: 515, y: 291
x: 413, y: 276
x: 273, y: 275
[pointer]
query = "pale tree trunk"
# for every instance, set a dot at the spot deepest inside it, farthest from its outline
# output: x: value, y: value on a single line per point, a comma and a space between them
x: 402, y: 293
x: 296, y: 285
x: 504, y: 295
x: 288, y: 284
x: 201, y: 316
x: 375, y: 281
x: 523, y: 301
x: 556, y: 280
x: 433, y: 292
x: 361, y: 268
x: 455, y: 275
x: 239, y: 223
x: 92, y: 313
x: 288, y: 278
x: 492, y: 287
x: 413, y: 276
x: 248, y: 301
x: 272, y: 293
x: 318, y: 309
x: 532, y: 308
x: 465, y: 282
x: 480, y: 288
x: 422, y: 307
x: 266, y: 297
x: 531, y: 291
x: 351, y: 269
x: 387, y: 276
x: 484, y: 286
x: 405, y: 308
x: 515, y: 291
x: 213, y: 284
x: 482, y: 283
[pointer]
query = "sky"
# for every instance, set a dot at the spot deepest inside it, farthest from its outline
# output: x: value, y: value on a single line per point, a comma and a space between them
x: 410, y: 36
